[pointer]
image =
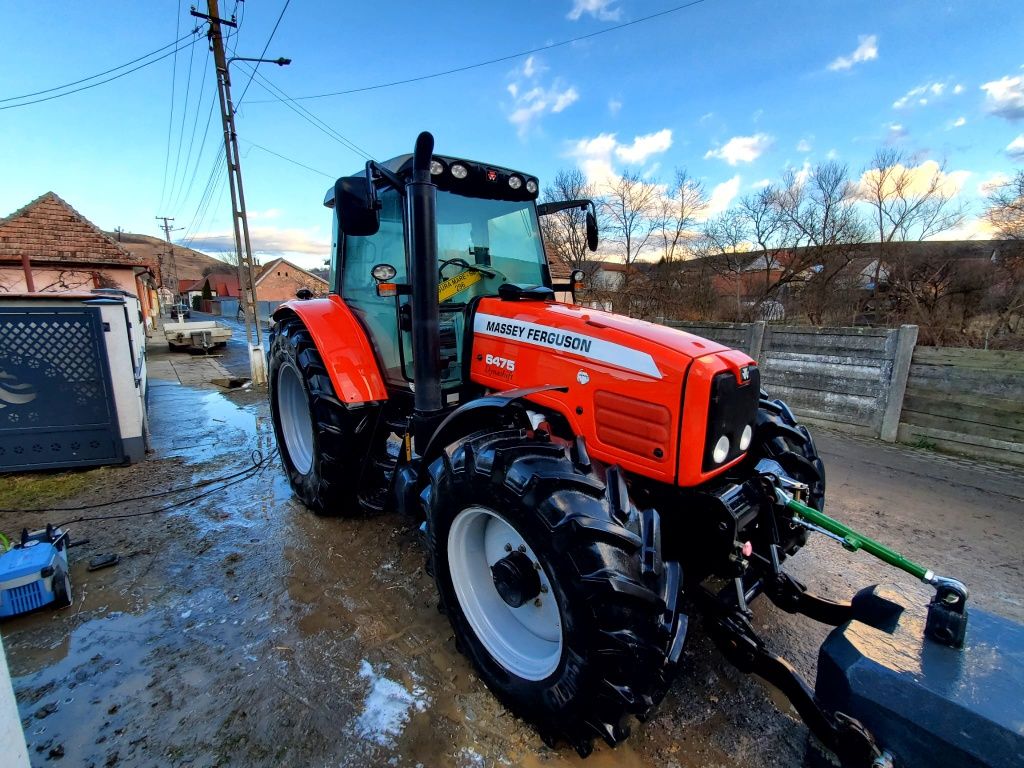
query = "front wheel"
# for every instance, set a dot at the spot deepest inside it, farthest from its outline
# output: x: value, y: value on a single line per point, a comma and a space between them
x: 322, y: 443
x: 554, y: 585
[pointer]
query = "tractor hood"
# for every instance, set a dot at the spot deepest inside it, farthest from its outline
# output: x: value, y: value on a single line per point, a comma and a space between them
x: 598, y: 337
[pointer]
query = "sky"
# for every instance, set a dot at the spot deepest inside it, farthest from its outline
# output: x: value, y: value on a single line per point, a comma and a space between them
x: 734, y: 91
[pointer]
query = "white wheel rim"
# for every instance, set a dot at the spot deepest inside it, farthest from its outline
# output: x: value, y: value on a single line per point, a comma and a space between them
x: 296, y: 424
x: 526, y: 641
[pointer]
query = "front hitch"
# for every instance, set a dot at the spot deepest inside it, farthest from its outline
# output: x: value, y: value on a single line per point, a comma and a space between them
x: 947, y: 611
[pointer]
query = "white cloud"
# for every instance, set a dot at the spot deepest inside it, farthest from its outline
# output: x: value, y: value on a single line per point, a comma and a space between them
x: 865, y: 51
x: 614, y: 105
x: 742, y: 149
x: 531, y: 98
x: 722, y: 195
x: 990, y: 184
x: 960, y: 122
x: 270, y: 213
x: 761, y: 184
x: 831, y: 154
x: 705, y: 117
x: 896, y: 132
x: 804, y: 145
x: 596, y: 156
x: 919, y: 177
x: 1015, y: 149
x: 958, y: 89
x: 644, y: 146
x: 921, y: 94
x: 273, y: 241
x: 599, y: 9
x: 803, y: 174
x: 1005, y: 97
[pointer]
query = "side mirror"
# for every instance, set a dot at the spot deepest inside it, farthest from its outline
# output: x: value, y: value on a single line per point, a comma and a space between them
x: 356, y: 206
x: 591, y: 230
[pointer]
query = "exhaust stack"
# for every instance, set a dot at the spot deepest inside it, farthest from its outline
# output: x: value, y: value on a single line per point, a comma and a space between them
x: 421, y: 195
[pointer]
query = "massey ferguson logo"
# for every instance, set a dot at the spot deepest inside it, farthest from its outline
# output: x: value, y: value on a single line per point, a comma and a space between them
x: 745, y: 373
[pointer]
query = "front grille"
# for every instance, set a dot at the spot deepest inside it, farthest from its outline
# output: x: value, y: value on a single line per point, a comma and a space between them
x: 732, y: 407
x: 22, y: 599
x: 633, y: 425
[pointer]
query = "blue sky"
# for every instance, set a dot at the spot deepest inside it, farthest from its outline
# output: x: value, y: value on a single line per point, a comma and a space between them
x: 736, y: 92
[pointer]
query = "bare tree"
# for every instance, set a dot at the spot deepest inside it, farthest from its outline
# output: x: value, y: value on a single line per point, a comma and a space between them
x: 725, y: 247
x: 565, y: 232
x: 630, y: 205
x: 1005, y: 213
x: 905, y: 205
x: 678, y: 210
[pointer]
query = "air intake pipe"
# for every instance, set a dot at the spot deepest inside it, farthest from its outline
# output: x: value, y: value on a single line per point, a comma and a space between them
x: 421, y: 197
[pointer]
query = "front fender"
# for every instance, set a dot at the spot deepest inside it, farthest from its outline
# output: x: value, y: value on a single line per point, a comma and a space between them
x: 344, y: 347
x: 481, y: 414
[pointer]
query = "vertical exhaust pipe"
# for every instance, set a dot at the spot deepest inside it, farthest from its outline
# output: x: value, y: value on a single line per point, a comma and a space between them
x: 421, y: 196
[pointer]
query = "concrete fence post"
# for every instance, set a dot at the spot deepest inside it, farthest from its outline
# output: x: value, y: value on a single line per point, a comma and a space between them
x: 755, y: 339
x: 906, y: 340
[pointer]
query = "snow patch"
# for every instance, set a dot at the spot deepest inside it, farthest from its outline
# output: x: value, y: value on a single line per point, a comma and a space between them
x: 387, y: 707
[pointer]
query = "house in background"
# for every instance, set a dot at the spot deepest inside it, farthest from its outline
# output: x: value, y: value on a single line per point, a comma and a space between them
x: 49, y: 247
x: 280, y: 279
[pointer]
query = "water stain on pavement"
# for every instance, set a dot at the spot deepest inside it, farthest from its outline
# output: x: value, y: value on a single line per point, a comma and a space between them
x: 240, y: 629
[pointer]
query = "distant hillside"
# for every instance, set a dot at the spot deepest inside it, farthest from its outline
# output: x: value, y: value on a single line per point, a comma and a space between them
x: 190, y: 264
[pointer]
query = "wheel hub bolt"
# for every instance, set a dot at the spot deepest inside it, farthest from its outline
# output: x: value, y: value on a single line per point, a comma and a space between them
x: 515, y: 579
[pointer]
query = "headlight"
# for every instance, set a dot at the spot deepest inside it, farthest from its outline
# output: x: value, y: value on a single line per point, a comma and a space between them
x: 436, y: 167
x: 459, y: 171
x: 721, y: 450
x: 746, y: 437
x: 515, y: 182
x: 531, y: 187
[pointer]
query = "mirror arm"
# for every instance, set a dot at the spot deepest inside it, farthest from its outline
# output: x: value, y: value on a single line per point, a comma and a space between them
x: 543, y: 209
x: 376, y: 171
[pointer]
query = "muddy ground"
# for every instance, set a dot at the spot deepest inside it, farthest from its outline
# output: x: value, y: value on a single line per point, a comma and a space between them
x: 239, y: 629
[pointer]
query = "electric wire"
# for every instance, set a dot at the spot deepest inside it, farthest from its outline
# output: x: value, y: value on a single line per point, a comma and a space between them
x: 181, y: 128
x: 260, y: 464
x: 202, y: 146
x: 499, y: 59
x: 306, y: 115
x: 257, y: 461
x: 263, y: 53
x: 170, y: 118
x: 179, y: 184
x: 286, y: 159
x: 98, y: 74
x: 101, y: 82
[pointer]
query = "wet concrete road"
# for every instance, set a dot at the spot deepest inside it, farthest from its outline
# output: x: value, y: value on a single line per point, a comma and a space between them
x: 239, y: 629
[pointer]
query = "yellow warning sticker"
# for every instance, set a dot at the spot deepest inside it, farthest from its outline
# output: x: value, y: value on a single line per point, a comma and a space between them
x: 457, y: 284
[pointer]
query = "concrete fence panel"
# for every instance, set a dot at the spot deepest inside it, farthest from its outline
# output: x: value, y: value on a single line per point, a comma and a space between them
x: 838, y: 377
x: 966, y: 400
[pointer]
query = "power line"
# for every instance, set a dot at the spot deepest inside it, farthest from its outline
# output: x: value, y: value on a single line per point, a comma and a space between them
x: 101, y: 82
x: 184, y: 115
x: 170, y: 118
x: 287, y: 159
x: 98, y: 74
x: 199, y: 154
x: 179, y: 183
x: 498, y: 60
x: 306, y: 115
x: 264, y: 52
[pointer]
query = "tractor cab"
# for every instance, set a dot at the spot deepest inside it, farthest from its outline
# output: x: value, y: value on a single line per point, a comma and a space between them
x: 488, y: 236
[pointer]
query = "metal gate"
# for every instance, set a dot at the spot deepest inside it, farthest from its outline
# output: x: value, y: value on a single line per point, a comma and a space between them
x: 56, y: 399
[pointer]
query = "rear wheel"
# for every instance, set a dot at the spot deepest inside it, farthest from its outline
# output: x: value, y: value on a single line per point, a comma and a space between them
x: 554, y: 585
x: 322, y: 443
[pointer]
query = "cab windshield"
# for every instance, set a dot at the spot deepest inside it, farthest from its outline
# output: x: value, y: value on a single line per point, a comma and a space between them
x: 499, y: 236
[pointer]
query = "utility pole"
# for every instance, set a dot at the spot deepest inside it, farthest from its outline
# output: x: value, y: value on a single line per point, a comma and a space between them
x: 167, y: 228
x: 243, y: 248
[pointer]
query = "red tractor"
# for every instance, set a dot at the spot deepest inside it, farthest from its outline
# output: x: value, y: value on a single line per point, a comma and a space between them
x: 581, y: 476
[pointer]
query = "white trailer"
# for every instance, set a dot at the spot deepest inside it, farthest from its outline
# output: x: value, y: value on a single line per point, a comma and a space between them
x: 202, y: 334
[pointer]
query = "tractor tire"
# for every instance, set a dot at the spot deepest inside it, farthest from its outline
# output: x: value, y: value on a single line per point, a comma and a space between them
x: 778, y: 436
x: 554, y: 585
x: 322, y: 443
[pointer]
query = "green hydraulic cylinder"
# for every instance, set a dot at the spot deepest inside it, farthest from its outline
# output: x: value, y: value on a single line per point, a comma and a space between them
x: 853, y: 541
